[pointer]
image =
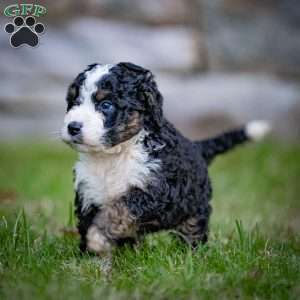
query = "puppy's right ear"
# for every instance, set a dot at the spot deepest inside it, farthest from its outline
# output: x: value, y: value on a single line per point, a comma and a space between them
x: 72, y: 94
x: 73, y: 90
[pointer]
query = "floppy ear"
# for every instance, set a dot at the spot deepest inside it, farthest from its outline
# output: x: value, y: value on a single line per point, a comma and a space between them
x: 153, y: 102
x: 148, y: 94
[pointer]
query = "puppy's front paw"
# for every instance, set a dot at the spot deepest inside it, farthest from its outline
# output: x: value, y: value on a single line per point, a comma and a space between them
x: 97, y: 242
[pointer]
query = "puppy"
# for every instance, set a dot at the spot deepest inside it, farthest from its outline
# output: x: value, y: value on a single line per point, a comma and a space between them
x: 136, y: 173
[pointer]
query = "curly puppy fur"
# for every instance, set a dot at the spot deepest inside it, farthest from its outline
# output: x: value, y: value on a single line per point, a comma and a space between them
x: 136, y: 173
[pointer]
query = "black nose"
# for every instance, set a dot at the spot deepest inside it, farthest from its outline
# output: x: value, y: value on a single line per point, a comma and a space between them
x: 74, y: 128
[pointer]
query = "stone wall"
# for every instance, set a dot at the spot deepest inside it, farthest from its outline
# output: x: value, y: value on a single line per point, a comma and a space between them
x: 261, y: 35
x: 217, y: 61
x: 251, y: 35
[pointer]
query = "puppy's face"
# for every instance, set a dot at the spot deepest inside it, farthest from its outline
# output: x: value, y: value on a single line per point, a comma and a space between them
x: 109, y: 104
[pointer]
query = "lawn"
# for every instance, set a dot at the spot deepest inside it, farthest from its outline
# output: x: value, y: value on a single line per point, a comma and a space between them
x: 253, y: 251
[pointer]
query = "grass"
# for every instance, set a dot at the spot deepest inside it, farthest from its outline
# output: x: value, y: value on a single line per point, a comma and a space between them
x: 253, y: 251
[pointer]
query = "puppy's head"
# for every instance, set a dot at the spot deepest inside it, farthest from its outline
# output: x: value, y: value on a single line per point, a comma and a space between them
x: 108, y: 105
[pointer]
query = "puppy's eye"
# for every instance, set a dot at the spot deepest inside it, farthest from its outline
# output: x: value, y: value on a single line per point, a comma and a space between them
x: 107, y: 106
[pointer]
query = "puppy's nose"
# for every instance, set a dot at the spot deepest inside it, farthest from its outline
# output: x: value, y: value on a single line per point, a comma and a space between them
x: 74, y: 128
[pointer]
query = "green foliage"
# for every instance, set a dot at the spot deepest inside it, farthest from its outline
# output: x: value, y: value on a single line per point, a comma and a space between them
x: 253, y: 252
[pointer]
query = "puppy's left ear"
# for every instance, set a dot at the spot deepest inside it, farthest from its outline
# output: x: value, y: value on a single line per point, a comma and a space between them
x: 149, y: 95
x: 153, y: 101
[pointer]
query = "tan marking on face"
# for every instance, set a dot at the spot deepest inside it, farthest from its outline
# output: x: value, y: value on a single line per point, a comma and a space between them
x: 101, y: 94
x: 126, y: 131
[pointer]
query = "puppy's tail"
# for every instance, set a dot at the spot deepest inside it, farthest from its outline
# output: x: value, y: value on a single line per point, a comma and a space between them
x: 224, y: 142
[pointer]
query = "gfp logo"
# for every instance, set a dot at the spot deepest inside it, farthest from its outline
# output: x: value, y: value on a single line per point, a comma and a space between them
x: 24, y: 29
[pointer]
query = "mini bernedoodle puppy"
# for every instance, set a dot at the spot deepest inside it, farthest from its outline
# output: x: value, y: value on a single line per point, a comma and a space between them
x: 136, y: 173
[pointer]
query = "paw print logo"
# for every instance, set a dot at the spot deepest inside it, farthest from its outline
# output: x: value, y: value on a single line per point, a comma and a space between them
x: 24, y: 32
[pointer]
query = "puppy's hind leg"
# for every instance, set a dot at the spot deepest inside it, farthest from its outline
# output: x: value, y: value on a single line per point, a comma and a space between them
x: 193, y: 230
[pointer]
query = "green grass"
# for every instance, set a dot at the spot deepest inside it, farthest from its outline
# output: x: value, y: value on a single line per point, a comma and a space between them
x: 253, y: 251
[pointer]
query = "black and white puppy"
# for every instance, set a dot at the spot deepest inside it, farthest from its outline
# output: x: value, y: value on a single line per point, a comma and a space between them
x: 136, y: 173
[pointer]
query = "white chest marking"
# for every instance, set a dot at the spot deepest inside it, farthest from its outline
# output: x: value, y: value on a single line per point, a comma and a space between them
x: 105, y: 177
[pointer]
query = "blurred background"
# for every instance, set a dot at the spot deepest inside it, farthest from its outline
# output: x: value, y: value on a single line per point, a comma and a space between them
x: 218, y: 63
